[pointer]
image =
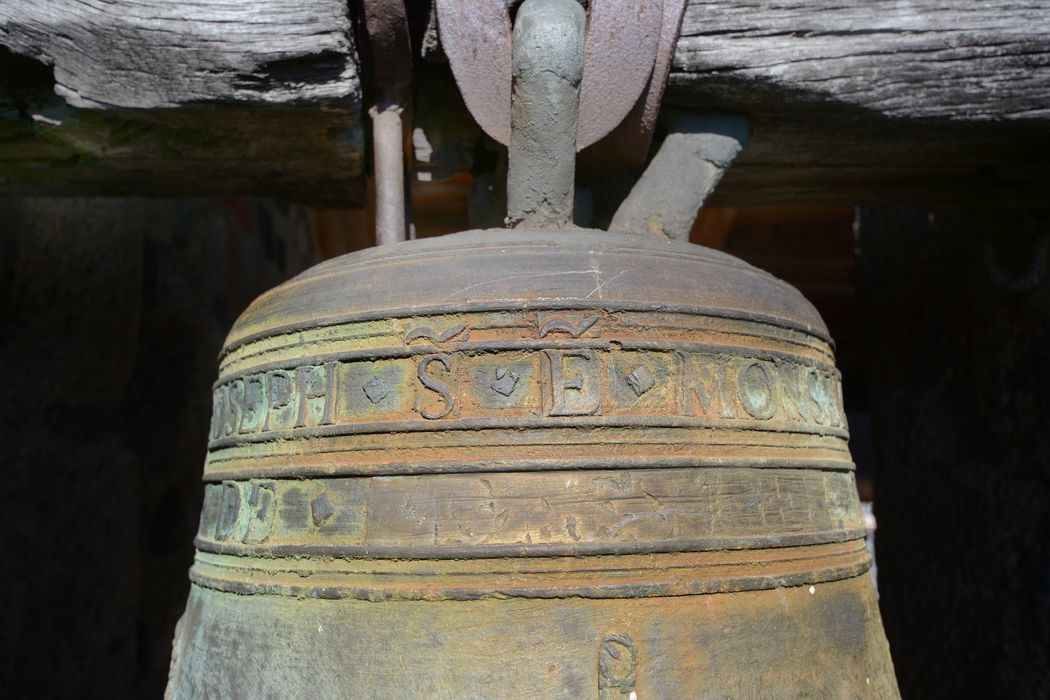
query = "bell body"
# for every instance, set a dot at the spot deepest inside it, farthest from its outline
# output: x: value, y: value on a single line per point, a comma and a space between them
x: 509, y: 464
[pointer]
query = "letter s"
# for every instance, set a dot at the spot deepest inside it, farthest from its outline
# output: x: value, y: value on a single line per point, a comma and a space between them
x: 436, y: 385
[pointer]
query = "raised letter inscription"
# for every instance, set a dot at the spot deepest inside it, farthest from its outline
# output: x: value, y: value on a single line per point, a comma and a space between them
x: 434, y: 384
x: 495, y: 381
x: 617, y: 667
x: 575, y: 389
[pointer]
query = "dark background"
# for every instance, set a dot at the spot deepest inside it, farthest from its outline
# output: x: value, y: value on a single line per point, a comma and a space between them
x: 114, y: 310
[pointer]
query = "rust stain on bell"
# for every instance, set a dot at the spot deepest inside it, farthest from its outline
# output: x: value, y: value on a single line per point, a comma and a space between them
x: 530, y: 463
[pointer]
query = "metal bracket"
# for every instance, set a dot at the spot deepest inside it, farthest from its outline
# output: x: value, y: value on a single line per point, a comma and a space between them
x: 692, y: 159
x: 624, y: 42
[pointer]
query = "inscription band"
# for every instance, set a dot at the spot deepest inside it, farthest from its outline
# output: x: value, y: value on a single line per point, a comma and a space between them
x: 555, y: 383
x: 537, y: 514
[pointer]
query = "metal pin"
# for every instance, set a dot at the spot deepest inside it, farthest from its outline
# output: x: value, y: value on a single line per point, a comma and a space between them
x: 389, y: 176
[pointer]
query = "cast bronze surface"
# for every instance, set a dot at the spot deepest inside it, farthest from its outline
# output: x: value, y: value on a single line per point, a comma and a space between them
x: 554, y: 447
x: 775, y: 642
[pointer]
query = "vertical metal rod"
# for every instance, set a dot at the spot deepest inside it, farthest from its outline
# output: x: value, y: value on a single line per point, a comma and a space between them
x: 547, y: 65
x: 389, y: 176
x: 386, y: 22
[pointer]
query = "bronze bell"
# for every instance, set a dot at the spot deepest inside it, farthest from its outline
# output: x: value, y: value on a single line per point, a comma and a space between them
x: 536, y: 462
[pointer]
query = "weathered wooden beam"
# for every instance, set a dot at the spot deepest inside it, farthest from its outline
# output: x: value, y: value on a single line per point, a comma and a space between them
x: 154, y: 53
x: 188, y: 97
x: 923, y: 59
x: 928, y: 100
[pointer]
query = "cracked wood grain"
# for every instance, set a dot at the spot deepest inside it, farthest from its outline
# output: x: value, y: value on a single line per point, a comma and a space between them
x: 924, y: 100
x: 916, y: 100
x: 924, y: 59
x: 189, y: 97
x: 148, y: 54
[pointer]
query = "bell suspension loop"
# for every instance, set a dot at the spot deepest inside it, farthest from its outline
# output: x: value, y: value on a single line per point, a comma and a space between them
x: 547, y: 58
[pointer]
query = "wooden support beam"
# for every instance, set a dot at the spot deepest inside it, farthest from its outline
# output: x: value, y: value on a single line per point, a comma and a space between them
x: 933, y: 100
x: 925, y: 59
x: 187, y: 97
x: 926, y: 100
